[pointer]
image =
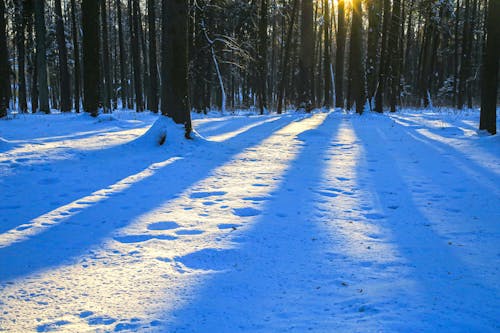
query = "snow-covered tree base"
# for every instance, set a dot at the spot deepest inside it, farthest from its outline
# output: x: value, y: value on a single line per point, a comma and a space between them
x: 165, y: 131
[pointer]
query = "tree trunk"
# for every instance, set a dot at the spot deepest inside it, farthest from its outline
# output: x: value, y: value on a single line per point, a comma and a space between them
x: 286, y: 57
x: 174, y: 89
x: 4, y: 64
x: 339, y: 59
x: 491, y: 60
x: 395, y: 58
x: 76, y: 57
x: 21, y: 51
x: 327, y: 101
x: 41, y: 56
x: 90, y: 42
x: 262, y: 57
x: 384, y: 55
x: 123, y: 64
x: 374, y: 13
x: 108, y: 90
x: 136, y: 61
x: 64, y: 81
x: 306, y: 56
x: 357, y: 68
x: 153, y: 67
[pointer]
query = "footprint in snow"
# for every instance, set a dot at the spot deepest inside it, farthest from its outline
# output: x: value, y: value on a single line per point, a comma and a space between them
x: 374, y: 216
x: 189, y: 232
x: 343, y: 179
x: 142, y: 238
x: 165, y: 225
x: 246, y: 212
x: 52, y: 326
x: 197, y: 195
x: 223, y: 226
x: 101, y: 321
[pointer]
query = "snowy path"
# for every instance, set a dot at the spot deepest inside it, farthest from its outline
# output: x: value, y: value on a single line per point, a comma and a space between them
x: 322, y: 223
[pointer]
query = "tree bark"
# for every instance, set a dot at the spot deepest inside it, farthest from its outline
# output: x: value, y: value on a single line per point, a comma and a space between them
x: 339, y: 59
x: 76, y: 58
x: 357, y: 68
x: 153, y: 66
x: 64, y: 81
x: 90, y: 41
x: 491, y: 60
x: 306, y: 57
x: 174, y: 88
x: 21, y: 52
x: 41, y: 56
x: 4, y: 64
x: 107, y: 86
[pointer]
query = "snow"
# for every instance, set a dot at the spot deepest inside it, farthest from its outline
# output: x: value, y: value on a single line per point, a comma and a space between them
x: 323, y: 222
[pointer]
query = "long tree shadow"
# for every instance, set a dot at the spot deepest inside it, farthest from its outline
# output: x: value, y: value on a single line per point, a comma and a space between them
x: 76, y: 234
x: 273, y: 277
x: 455, y: 292
x: 58, y: 183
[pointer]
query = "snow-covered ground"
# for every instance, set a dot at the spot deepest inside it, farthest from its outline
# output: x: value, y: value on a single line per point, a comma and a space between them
x: 327, y: 222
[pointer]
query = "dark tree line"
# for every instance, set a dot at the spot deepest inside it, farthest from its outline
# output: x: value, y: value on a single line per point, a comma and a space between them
x: 269, y: 54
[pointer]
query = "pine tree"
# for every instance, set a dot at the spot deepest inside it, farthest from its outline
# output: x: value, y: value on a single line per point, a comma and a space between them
x: 339, y: 59
x: 357, y: 68
x: 90, y: 42
x: 174, y: 49
x: 4, y: 64
x: 64, y: 85
x: 153, y: 71
x: 306, y: 56
x: 41, y: 56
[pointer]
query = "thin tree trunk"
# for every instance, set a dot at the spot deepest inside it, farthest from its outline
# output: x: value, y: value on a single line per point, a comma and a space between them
x: 339, y: 59
x: 4, y: 64
x: 64, y: 81
x: 306, y: 57
x: 123, y: 64
x: 108, y: 92
x: 41, y: 56
x: 262, y: 61
x: 153, y: 72
x: 76, y: 57
x: 327, y: 91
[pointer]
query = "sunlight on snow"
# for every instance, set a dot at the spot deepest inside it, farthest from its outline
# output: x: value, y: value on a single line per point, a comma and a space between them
x: 229, y: 135
x: 63, y: 213
x: 346, y: 154
x: 137, y: 273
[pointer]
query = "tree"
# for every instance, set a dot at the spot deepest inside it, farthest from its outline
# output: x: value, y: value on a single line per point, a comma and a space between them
x: 491, y: 60
x: 306, y: 56
x: 41, y: 55
x: 90, y: 41
x: 174, y: 88
x: 262, y: 61
x: 106, y: 70
x: 153, y: 69
x: 339, y: 59
x: 21, y: 55
x: 4, y: 64
x: 394, y: 55
x: 76, y: 57
x: 357, y: 68
x: 327, y: 73
x: 134, y: 13
x: 65, y: 87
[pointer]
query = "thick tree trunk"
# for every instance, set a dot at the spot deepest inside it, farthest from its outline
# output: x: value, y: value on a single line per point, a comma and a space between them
x: 374, y: 13
x: 384, y: 55
x: 64, y: 81
x: 41, y: 56
x: 174, y: 89
x: 491, y: 60
x: 90, y: 42
x: 339, y: 59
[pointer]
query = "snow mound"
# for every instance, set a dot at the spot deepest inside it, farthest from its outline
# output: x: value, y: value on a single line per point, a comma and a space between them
x: 165, y: 131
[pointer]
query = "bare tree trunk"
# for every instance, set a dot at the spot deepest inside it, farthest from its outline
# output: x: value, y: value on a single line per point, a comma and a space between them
x: 108, y: 91
x: 174, y: 89
x: 90, y: 42
x: 262, y: 61
x: 64, y: 82
x: 76, y: 57
x: 153, y: 67
x: 4, y: 64
x: 339, y: 59
x: 306, y: 56
x: 41, y: 56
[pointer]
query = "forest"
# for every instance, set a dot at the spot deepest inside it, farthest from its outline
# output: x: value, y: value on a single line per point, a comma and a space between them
x: 268, y: 55
x: 249, y: 166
